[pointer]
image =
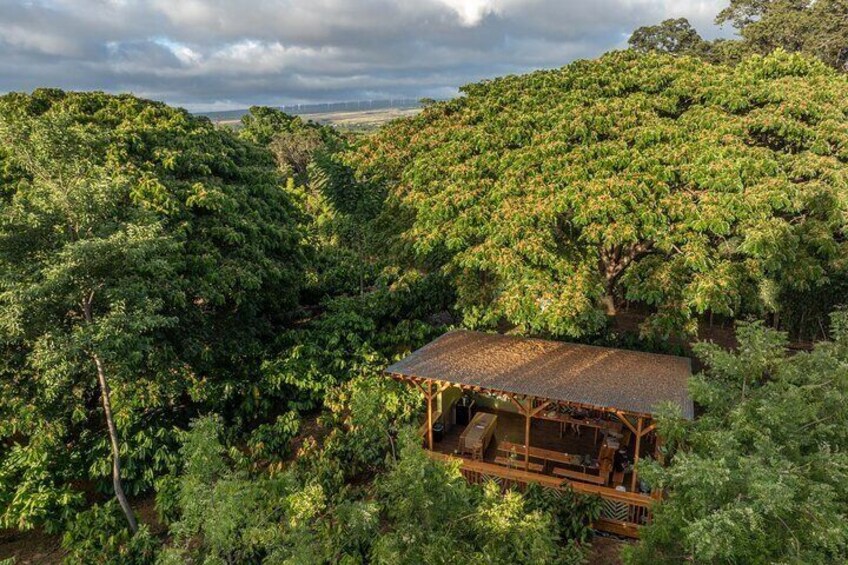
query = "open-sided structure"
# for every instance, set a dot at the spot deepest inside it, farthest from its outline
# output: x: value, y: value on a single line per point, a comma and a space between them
x: 521, y: 410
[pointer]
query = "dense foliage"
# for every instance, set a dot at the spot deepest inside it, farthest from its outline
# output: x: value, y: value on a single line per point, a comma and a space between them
x: 676, y: 36
x: 193, y: 269
x: 761, y: 476
x: 141, y: 245
x: 100, y: 535
x: 668, y: 182
x: 418, y: 511
x: 818, y: 29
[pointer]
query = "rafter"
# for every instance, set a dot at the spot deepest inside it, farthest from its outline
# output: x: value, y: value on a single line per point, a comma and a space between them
x: 625, y: 420
x: 539, y: 409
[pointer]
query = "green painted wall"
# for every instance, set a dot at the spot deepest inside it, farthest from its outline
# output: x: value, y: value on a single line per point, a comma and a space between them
x: 446, y: 401
x: 486, y: 401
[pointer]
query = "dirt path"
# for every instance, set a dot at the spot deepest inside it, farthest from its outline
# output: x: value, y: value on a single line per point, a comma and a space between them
x: 38, y: 548
x: 606, y: 551
x: 33, y: 547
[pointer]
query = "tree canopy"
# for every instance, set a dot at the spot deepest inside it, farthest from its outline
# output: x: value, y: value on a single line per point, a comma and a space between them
x: 417, y: 511
x: 138, y: 243
x: 819, y: 29
x: 675, y: 36
x: 687, y: 187
x: 760, y: 477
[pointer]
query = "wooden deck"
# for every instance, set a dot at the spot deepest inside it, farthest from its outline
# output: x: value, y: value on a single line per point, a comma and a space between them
x: 544, y: 434
x: 623, y: 512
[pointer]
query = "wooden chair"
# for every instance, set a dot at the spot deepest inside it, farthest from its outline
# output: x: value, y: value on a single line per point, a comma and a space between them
x: 605, y: 462
x: 617, y: 478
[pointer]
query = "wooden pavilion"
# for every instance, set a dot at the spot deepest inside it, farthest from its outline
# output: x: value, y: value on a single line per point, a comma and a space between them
x: 519, y: 410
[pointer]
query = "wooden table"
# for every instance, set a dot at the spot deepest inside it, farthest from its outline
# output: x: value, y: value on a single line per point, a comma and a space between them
x: 563, y: 419
x: 477, y: 435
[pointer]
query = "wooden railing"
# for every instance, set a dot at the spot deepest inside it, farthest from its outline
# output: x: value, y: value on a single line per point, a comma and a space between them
x: 622, y: 513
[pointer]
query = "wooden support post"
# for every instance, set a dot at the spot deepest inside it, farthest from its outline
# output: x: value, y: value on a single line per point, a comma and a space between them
x: 526, y: 408
x: 636, y: 453
x: 527, y: 415
x: 430, y: 414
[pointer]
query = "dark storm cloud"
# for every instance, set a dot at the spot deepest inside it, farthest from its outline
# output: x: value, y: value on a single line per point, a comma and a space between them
x: 207, y: 54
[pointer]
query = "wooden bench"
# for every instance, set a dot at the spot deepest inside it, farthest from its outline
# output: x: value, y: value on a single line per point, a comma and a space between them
x: 516, y: 452
x: 580, y: 476
x: 604, y: 462
x: 539, y: 453
x: 518, y: 464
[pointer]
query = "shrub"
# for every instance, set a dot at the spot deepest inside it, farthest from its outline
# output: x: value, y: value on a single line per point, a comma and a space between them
x: 100, y: 535
x: 272, y: 442
x: 573, y: 513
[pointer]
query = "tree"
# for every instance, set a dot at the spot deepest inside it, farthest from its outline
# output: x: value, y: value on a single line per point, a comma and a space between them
x: 414, y: 510
x: 144, y: 254
x: 551, y: 198
x: 83, y: 280
x: 261, y: 124
x: 819, y: 29
x: 419, y: 511
x: 760, y: 476
x: 293, y: 142
x: 338, y: 212
x: 435, y: 516
x: 816, y: 28
x: 676, y: 36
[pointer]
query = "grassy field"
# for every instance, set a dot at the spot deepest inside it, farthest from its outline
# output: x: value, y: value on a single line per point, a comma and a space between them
x: 361, y: 121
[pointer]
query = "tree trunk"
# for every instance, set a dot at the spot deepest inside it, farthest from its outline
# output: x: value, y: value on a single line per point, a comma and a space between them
x: 612, y: 262
x: 110, y: 424
x: 113, y: 437
x: 608, y: 300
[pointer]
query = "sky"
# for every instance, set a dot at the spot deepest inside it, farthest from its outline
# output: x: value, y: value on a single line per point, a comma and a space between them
x: 209, y: 55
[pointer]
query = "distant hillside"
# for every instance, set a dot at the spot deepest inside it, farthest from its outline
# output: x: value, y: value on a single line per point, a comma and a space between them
x: 328, y: 112
x: 361, y: 121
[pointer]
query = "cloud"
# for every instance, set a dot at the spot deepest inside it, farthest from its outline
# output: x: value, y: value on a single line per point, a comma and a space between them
x: 471, y: 12
x: 206, y: 54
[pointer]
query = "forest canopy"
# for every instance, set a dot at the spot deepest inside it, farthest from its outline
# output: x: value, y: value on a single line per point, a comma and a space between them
x: 203, y: 315
x: 552, y: 198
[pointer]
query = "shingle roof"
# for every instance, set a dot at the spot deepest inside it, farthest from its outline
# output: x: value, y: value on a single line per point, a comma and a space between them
x: 603, y: 377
